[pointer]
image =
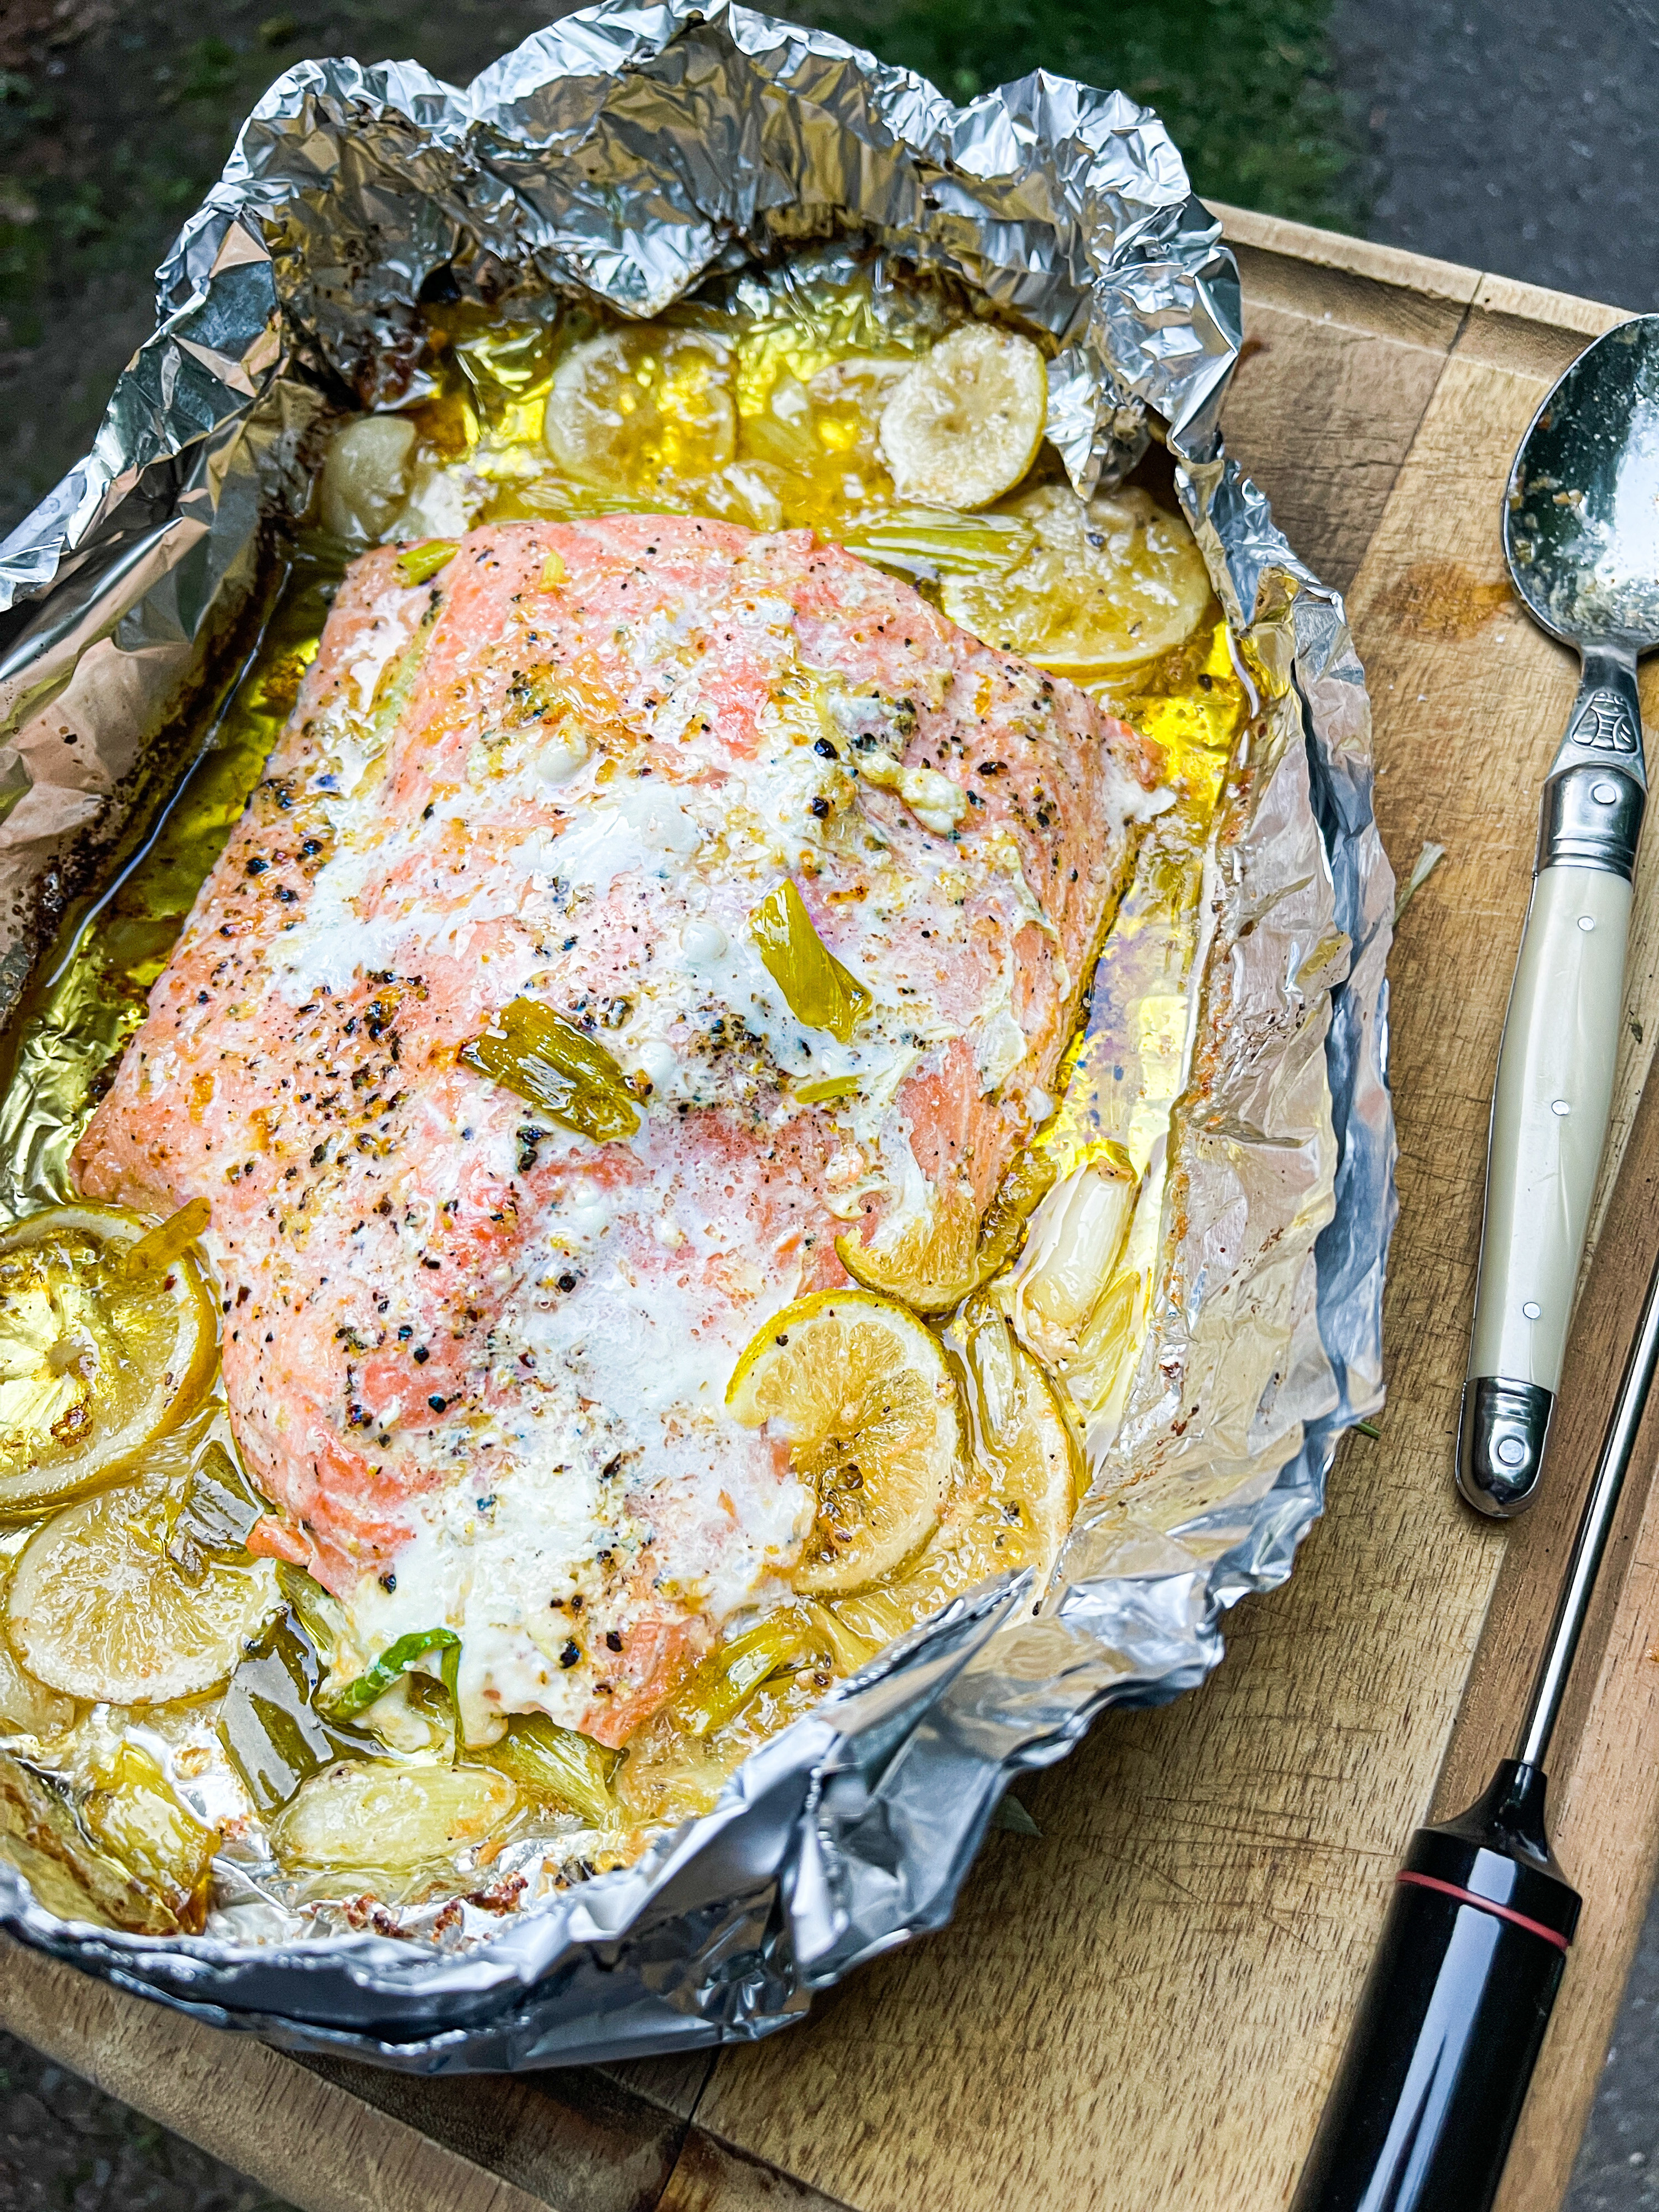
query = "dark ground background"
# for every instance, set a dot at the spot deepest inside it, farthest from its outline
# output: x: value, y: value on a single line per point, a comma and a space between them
x: 1521, y: 135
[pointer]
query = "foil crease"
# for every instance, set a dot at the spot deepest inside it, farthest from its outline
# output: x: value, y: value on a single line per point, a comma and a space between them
x: 625, y: 153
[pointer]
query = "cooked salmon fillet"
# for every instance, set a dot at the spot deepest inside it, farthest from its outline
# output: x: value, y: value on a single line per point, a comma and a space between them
x: 476, y: 1358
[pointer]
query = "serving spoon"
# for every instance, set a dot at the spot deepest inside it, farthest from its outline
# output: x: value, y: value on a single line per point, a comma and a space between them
x: 1581, y: 534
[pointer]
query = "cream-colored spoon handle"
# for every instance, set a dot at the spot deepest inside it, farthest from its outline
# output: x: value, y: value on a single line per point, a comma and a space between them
x: 1549, y: 1122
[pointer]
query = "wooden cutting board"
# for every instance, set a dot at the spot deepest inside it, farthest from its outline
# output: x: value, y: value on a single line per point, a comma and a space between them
x: 1144, y: 2008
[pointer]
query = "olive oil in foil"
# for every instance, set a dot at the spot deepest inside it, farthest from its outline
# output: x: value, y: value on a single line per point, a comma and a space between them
x: 758, y: 402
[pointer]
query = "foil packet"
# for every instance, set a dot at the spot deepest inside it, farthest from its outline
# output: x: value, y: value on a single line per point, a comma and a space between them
x: 624, y: 154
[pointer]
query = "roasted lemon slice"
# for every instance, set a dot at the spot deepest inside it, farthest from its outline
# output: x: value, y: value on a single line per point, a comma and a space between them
x: 106, y: 1339
x: 963, y: 425
x: 862, y: 1394
x: 28, y: 1707
x: 930, y: 1264
x: 1106, y: 584
x: 97, y: 1609
x: 632, y: 408
x: 1013, y: 1514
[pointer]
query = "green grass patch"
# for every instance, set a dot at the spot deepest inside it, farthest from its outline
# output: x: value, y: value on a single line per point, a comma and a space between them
x: 104, y: 154
x: 1243, y: 86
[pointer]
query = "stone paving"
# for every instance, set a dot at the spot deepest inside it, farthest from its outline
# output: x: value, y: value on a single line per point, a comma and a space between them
x: 1521, y: 135
x: 66, y: 2148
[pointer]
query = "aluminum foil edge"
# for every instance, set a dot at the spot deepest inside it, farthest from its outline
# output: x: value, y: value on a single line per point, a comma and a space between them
x: 851, y: 1831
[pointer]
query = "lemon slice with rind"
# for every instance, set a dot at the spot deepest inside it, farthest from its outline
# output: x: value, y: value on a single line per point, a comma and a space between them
x: 97, y: 1609
x: 28, y: 1707
x: 930, y: 1264
x: 642, y: 409
x: 1013, y: 1513
x: 1106, y: 584
x: 99, y: 1356
x: 964, y: 424
x: 862, y: 1394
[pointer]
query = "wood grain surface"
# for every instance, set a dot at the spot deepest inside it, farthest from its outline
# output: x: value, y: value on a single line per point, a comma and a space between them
x: 1141, y: 2009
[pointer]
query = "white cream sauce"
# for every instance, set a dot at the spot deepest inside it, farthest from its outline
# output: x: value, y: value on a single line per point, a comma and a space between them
x: 539, y: 1514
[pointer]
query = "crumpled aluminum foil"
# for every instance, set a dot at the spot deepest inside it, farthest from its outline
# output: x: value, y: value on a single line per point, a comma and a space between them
x: 626, y: 152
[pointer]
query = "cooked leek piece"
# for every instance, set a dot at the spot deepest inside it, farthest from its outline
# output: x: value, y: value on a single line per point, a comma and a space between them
x: 1021, y: 1436
x: 845, y: 1649
x: 170, y: 1239
x: 317, y: 1612
x: 70, y: 1874
x: 928, y: 541
x: 726, y: 1681
x: 133, y: 1812
x: 268, y: 1723
x: 559, y: 1763
x: 420, y: 563
x: 1075, y: 1242
x: 371, y: 1813
x: 1026, y: 1181
x: 825, y: 1089
x: 393, y: 1662
x: 819, y: 991
x: 215, y: 1514
x: 543, y: 1058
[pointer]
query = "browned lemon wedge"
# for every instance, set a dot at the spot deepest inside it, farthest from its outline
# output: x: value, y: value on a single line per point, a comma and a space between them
x: 933, y: 1262
x: 861, y: 1393
x: 1105, y: 586
x: 97, y: 1608
x: 1013, y: 1511
x: 963, y: 425
x: 107, y: 1339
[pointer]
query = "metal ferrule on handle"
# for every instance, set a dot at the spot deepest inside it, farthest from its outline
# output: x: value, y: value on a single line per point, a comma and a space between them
x: 1554, y: 1090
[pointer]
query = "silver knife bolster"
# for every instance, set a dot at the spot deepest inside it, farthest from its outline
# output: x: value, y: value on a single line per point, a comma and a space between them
x: 1593, y: 802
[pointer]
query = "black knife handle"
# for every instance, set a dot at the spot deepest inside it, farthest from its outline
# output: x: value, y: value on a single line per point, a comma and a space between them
x: 1452, y: 2016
